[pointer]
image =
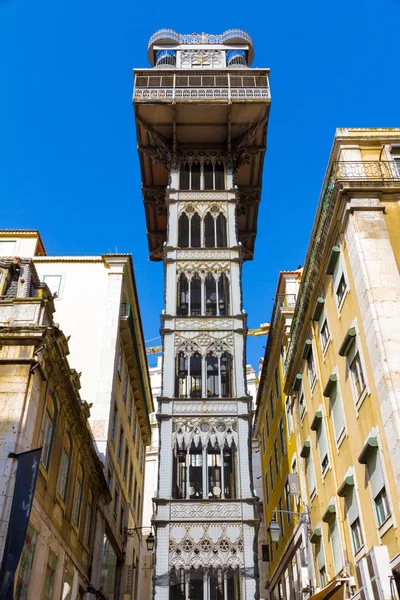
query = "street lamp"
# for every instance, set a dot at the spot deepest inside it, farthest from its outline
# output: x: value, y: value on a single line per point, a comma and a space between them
x: 274, y: 530
x: 130, y: 532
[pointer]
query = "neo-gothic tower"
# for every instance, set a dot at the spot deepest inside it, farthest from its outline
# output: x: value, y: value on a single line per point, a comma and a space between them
x: 202, y: 116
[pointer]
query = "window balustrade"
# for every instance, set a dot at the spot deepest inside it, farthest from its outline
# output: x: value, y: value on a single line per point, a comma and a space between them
x: 205, y: 295
x: 204, y: 376
x: 210, y: 232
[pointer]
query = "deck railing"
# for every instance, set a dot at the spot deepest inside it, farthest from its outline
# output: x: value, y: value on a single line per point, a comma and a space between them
x: 369, y: 170
x: 191, y: 88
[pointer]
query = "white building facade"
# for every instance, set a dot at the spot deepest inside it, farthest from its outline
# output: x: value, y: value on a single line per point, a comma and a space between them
x: 201, y: 167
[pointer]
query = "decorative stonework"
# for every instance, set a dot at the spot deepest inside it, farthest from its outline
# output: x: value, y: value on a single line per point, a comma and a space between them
x: 218, y: 545
x: 204, y: 431
x: 202, y: 268
x: 203, y: 407
x: 189, y: 324
x: 199, y: 254
x: 201, y: 196
x: 202, y: 208
x: 208, y: 511
x: 201, y: 59
x: 192, y: 341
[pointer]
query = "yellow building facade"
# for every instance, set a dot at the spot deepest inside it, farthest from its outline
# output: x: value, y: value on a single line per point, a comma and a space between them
x: 274, y: 428
x: 342, y: 369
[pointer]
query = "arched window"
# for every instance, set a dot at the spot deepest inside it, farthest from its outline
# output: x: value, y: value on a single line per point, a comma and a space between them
x: 48, y: 428
x: 195, y: 176
x: 183, y: 231
x: 219, y: 176
x: 182, y: 308
x: 76, y: 510
x: 184, y: 176
x: 212, y: 376
x: 208, y: 176
x: 188, y: 376
x: 195, y: 375
x: 65, y: 463
x: 223, y: 295
x: 214, y: 471
x: 226, y: 375
x: 195, y: 241
x: 209, y: 231
x: 195, y: 296
x: 211, y: 295
x: 221, y: 231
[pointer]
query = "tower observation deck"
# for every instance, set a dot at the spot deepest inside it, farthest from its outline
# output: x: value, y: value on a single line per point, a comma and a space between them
x: 202, y: 113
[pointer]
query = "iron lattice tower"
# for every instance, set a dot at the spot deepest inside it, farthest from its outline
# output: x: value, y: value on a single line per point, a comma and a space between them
x: 202, y: 115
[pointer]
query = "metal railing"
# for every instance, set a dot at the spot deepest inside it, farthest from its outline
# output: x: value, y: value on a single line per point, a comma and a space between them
x: 187, y: 88
x: 286, y: 300
x: 199, y: 38
x: 370, y: 170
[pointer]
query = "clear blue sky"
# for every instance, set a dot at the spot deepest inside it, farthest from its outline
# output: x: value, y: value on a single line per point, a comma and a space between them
x: 68, y: 161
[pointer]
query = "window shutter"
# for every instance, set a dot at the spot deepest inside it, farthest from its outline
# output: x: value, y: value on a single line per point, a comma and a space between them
x: 337, y: 272
x: 375, y: 472
x: 351, y: 506
x: 321, y: 441
x: 310, y: 474
x: 336, y: 548
x: 337, y: 412
x: 320, y: 555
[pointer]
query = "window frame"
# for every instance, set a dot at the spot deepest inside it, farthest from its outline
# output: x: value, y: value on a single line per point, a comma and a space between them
x: 44, y: 434
x: 63, y: 493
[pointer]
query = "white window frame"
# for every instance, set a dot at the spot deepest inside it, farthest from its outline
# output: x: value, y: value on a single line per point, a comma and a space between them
x: 59, y: 290
x: 323, y: 319
x: 302, y: 395
x: 310, y: 474
x: 324, y: 437
x: 339, y: 436
x: 337, y: 274
x: 355, y: 349
x: 313, y: 361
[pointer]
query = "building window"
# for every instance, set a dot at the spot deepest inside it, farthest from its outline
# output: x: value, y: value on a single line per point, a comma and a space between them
x: 121, y: 518
x: 210, y: 285
x: 336, y: 407
x: 183, y: 231
x: 320, y: 556
x: 65, y: 462
x: 334, y: 537
x: 263, y: 441
x: 210, y: 232
x: 202, y: 176
x: 134, y: 427
x: 76, y: 510
x: 382, y: 506
x: 130, y: 406
x: 277, y: 384
x: 302, y: 405
x: 48, y: 428
x: 281, y: 522
x: 276, y: 455
x: 130, y: 480
x: 310, y: 474
x: 271, y: 472
x: 288, y: 503
x: 356, y: 535
x: 89, y: 517
x: 125, y: 388
x: 108, y: 569
x: 312, y: 374
x: 49, y: 576
x: 289, y: 415
x: 126, y: 462
x: 339, y: 280
x: 121, y: 444
x: 322, y: 445
x: 396, y: 159
x: 377, y: 484
x: 357, y: 375
x: 119, y: 363
x: 201, y: 474
x: 54, y: 284
x: 266, y: 486
x: 267, y: 420
x: 135, y: 494
x: 189, y: 375
x: 116, y: 503
x: 325, y: 334
x: 139, y: 506
x: 271, y: 403
x: 141, y: 459
x: 25, y: 565
x: 114, y: 423
x: 282, y: 438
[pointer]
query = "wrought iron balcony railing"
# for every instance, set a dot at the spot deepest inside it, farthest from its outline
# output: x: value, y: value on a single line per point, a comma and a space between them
x: 199, y: 38
x: 369, y: 170
x: 191, y: 88
x: 286, y: 300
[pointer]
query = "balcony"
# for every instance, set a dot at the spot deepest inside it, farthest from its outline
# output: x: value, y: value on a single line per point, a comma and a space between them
x: 377, y: 170
x: 227, y: 87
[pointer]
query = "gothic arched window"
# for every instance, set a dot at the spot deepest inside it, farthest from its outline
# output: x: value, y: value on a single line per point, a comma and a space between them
x: 211, y: 295
x: 195, y: 296
x: 183, y: 231
x: 195, y: 238
x: 209, y: 231
x: 223, y: 295
x: 195, y: 176
x: 212, y: 376
x: 219, y: 176
x: 184, y: 176
x: 226, y: 375
x: 182, y: 308
x: 195, y: 375
x: 221, y: 231
x: 188, y: 382
x: 208, y: 176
